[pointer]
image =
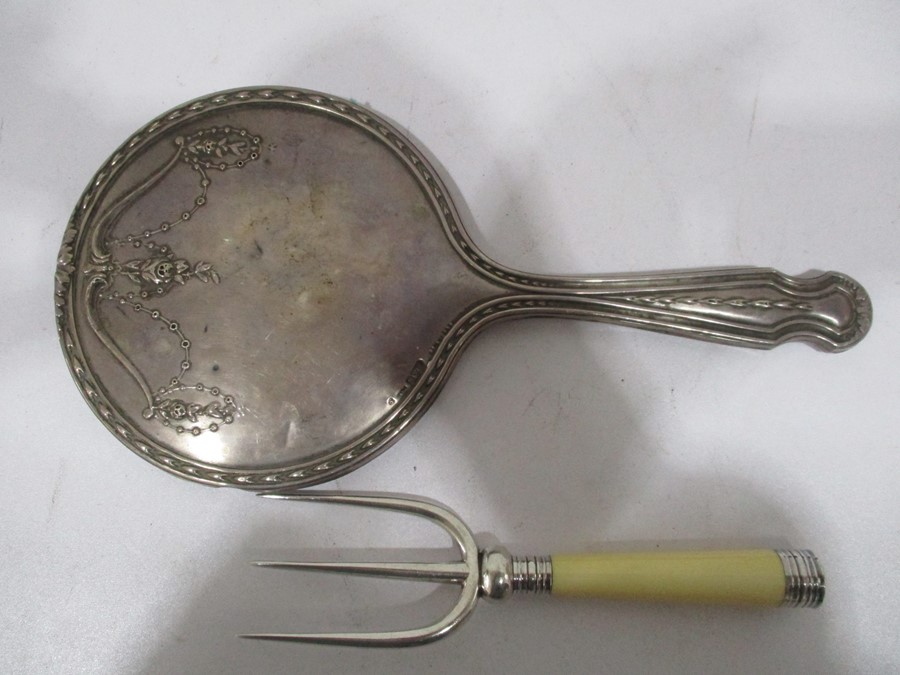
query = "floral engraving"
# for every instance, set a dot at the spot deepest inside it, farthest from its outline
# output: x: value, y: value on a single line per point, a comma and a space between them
x: 185, y: 407
x: 221, y: 148
x: 177, y: 412
x: 158, y: 274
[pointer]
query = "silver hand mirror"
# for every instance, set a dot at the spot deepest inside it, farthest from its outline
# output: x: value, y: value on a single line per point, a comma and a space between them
x: 266, y: 288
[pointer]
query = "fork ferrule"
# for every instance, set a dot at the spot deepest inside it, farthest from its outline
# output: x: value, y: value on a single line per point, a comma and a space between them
x: 533, y: 574
x: 501, y: 574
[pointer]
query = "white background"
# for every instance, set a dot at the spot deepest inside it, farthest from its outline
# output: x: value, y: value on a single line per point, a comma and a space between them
x: 585, y: 137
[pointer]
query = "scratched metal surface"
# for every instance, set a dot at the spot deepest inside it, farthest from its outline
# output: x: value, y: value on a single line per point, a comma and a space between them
x: 580, y: 138
x: 298, y: 277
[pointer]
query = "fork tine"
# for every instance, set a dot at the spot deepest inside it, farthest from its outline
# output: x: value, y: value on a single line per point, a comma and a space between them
x: 397, y: 638
x: 348, y: 639
x: 402, y: 638
x: 447, y: 519
x: 434, y: 572
x: 417, y: 506
x: 465, y: 572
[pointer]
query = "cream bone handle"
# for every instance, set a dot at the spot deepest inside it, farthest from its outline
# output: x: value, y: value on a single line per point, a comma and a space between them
x: 750, y: 577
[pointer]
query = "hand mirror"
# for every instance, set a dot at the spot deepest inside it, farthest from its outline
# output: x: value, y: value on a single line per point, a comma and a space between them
x: 266, y: 287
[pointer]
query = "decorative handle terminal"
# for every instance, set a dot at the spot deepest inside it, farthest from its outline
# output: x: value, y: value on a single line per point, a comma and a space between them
x: 749, y: 307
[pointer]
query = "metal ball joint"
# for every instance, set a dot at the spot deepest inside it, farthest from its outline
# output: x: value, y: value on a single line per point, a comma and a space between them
x: 502, y: 574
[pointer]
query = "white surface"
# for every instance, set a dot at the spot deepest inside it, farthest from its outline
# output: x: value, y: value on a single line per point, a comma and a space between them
x: 585, y: 137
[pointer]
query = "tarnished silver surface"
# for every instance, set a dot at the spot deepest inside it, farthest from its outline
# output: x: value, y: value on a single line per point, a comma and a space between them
x: 266, y: 287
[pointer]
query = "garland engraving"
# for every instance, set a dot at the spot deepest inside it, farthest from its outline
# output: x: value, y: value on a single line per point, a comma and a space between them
x: 186, y: 407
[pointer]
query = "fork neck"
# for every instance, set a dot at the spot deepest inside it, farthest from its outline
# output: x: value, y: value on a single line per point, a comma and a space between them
x: 502, y: 574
